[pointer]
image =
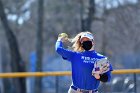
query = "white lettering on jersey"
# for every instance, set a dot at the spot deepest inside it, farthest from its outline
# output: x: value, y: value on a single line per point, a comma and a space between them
x: 88, y: 59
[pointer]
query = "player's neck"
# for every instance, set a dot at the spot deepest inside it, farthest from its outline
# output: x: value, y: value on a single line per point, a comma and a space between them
x: 91, y: 49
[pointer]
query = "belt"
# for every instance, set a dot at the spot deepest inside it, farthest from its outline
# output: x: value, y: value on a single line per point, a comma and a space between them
x: 84, y: 91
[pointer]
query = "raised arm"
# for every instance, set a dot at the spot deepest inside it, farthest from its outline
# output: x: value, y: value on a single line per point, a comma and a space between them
x: 65, y: 53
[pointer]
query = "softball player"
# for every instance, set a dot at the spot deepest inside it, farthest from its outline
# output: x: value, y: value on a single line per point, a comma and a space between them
x: 86, y: 71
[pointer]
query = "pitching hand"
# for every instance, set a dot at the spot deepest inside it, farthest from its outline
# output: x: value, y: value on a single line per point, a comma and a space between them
x: 63, y: 37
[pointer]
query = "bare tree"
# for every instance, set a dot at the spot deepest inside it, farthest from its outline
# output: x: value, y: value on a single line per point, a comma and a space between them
x: 39, y: 44
x: 87, y: 21
x: 16, y: 60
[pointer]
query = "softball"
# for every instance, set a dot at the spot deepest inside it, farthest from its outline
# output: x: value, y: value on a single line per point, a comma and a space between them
x: 63, y: 35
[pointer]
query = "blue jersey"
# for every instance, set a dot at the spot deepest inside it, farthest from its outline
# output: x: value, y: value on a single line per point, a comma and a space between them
x: 82, y: 64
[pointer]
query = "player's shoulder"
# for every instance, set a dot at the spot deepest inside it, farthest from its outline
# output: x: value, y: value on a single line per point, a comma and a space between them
x: 99, y: 55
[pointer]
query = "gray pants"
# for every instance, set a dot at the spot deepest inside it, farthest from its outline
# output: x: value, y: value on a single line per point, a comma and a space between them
x: 74, y: 91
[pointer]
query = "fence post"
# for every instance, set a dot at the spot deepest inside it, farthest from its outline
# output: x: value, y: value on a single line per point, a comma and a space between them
x: 135, y: 83
x: 56, y: 84
x: 1, y: 70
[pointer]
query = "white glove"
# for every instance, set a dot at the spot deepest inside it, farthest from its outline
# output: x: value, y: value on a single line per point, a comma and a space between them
x: 101, y: 66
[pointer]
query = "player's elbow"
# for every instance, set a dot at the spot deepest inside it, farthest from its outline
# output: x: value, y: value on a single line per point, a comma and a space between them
x: 109, y: 78
x: 58, y: 49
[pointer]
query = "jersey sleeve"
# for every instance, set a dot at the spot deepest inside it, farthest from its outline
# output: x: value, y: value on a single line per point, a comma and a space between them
x: 109, y: 76
x: 65, y: 53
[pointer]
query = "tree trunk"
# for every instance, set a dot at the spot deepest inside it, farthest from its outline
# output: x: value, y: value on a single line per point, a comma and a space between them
x: 103, y: 44
x: 16, y: 61
x: 87, y: 22
x: 39, y: 45
x: 6, y: 85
